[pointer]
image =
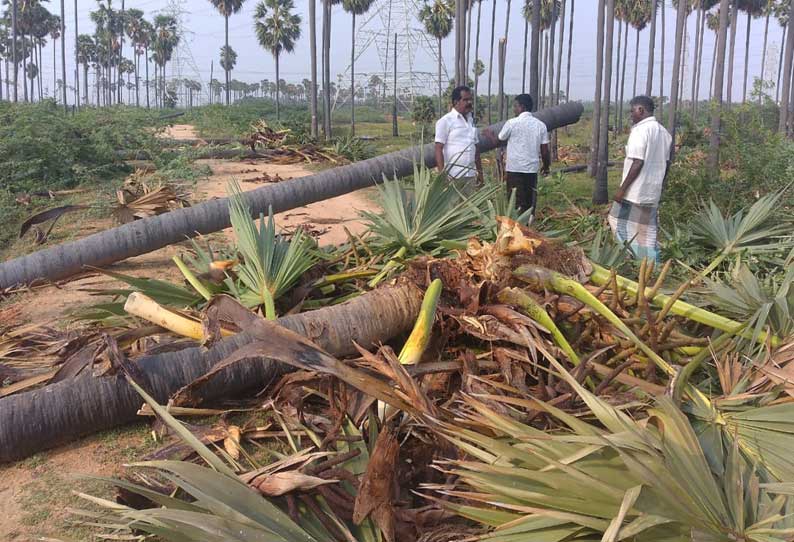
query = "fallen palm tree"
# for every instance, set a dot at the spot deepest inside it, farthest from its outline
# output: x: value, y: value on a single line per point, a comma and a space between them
x: 146, y: 235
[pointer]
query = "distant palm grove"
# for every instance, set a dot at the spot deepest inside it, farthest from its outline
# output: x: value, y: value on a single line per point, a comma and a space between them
x: 125, y: 59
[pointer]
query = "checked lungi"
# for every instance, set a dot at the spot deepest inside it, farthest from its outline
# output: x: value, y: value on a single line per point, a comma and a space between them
x: 637, y: 227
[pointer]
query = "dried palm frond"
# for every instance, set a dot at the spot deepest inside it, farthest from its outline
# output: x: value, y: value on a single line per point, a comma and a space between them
x: 149, y: 201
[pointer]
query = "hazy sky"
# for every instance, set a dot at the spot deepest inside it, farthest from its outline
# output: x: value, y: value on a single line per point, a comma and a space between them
x: 203, y: 38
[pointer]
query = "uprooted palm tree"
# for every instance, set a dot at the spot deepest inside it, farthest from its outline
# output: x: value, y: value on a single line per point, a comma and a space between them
x: 277, y: 30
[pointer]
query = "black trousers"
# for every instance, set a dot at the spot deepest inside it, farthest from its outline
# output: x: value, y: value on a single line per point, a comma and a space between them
x: 526, y: 187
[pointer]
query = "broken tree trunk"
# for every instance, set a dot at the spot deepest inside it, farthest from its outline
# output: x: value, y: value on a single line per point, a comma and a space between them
x: 40, y: 419
x: 143, y: 236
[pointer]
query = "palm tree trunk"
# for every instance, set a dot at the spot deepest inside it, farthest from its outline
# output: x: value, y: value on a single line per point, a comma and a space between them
x: 787, y: 73
x: 651, y: 50
x: 63, y: 54
x: 54, y: 71
x: 326, y: 68
x: 46, y: 417
x: 460, y: 41
x: 680, y: 25
x: 313, y: 53
x: 682, y: 77
x: 137, y: 78
x: 719, y: 72
x: 661, y: 68
x: 228, y: 86
x: 570, y: 50
x: 120, y: 87
x: 693, y: 91
x: 440, y: 102
x: 599, y: 83
x: 146, y: 235
x: 77, y: 62
x: 467, y: 60
x: 780, y: 63
x: 619, y: 123
x: 601, y: 189
x: 636, y: 62
x: 699, y: 63
x: 746, y: 56
x: 734, y: 23
x: 353, y: 78
x: 24, y: 66
x: 85, y: 83
x: 524, y: 62
x: 544, y: 53
x: 146, y: 65
x: 278, y: 91
x: 560, y: 46
x: 763, y: 54
x: 476, y: 59
x: 550, y: 49
x: 14, y: 52
x: 713, y: 65
x: 490, y: 64
x: 620, y: 25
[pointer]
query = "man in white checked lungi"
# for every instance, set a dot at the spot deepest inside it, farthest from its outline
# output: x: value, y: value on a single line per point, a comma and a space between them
x: 634, y: 214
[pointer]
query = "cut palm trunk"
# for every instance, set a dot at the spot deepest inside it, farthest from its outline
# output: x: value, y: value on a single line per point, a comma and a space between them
x: 34, y: 421
x: 143, y: 236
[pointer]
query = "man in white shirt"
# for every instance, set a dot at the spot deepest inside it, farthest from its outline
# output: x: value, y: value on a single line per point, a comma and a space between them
x: 527, y: 141
x: 456, y: 142
x: 634, y: 214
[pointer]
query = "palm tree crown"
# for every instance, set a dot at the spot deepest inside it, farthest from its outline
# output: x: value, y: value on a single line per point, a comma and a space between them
x: 277, y: 28
x: 438, y: 18
x: 227, y: 7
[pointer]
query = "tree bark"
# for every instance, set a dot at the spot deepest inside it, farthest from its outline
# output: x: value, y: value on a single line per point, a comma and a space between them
x: 43, y: 418
x: 734, y: 23
x: 763, y: 55
x: 560, y: 46
x: 599, y: 82
x: 680, y: 24
x: 651, y: 51
x: 278, y: 92
x: 570, y: 50
x: 146, y: 61
x: 636, y: 62
x: 534, y: 56
x: 146, y: 235
x: 226, y: 68
x: 780, y: 64
x: 661, y: 68
x: 14, y: 52
x: 467, y: 59
x: 700, y: 16
x: 476, y: 59
x: 353, y: 77
x: 699, y: 63
x: 601, y: 189
x: 746, y: 56
x: 77, y: 62
x: 550, y: 52
x: 313, y: 54
x: 440, y: 100
x: 524, y: 63
x: 490, y: 64
x: 719, y: 73
x: 326, y: 69
x: 63, y: 56
x: 787, y: 72
x: 620, y: 25
x: 619, y: 123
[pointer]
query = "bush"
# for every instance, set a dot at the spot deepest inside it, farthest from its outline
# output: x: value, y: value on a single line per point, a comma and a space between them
x: 424, y: 111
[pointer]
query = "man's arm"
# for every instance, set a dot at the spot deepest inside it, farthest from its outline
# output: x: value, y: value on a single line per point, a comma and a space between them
x: 634, y: 172
x: 545, y: 154
x: 440, y: 157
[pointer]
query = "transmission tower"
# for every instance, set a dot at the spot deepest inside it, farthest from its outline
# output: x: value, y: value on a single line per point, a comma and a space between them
x: 182, y: 63
x: 414, y: 48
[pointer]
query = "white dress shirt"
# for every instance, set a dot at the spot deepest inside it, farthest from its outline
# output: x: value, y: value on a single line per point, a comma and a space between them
x: 459, y: 137
x: 650, y: 142
x: 524, y: 135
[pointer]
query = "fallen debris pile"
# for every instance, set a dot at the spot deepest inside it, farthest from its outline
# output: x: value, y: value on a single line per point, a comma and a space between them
x: 137, y: 199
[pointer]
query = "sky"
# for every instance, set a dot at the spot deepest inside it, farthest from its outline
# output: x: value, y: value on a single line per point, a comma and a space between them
x: 204, y: 35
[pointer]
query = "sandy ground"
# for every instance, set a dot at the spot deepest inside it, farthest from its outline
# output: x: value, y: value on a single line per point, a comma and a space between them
x: 45, y: 479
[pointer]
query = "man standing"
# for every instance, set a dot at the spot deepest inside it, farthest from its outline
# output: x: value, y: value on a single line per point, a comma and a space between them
x: 456, y: 142
x: 527, y: 141
x: 634, y: 214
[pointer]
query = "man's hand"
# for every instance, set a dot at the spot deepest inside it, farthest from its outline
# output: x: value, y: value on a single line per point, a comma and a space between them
x: 620, y: 195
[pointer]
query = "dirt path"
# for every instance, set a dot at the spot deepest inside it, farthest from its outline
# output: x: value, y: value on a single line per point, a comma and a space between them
x: 34, y: 492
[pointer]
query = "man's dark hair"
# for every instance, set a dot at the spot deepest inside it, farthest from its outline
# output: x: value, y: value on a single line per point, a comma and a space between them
x: 525, y: 101
x: 645, y: 101
x: 457, y: 93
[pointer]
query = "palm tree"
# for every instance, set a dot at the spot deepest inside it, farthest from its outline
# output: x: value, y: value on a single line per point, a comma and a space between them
x: 479, y: 67
x: 781, y: 14
x: 134, y: 29
x: 32, y: 72
x: 640, y: 17
x: 227, y: 8
x: 228, y: 62
x: 682, y: 10
x: 704, y: 7
x: 570, y: 50
x: 327, y: 11
x: 313, y: 53
x: 437, y: 18
x: 768, y: 11
x: 277, y: 30
x: 86, y: 54
x: 55, y: 35
x: 145, y: 38
x: 599, y: 82
x: 651, y: 6
x: 354, y: 7
x: 753, y: 9
x: 722, y: 38
x: 601, y: 188
x: 785, y: 98
x: 734, y: 14
x: 166, y: 38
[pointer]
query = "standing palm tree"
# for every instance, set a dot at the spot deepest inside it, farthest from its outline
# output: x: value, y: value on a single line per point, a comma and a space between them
x: 228, y: 62
x: 227, y: 8
x: 327, y: 12
x: 788, y: 64
x: 354, y: 7
x: 753, y: 9
x: 570, y: 50
x: 652, y: 7
x: 734, y: 14
x: 769, y: 9
x: 55, y: 35
x: 640, y: 17
x: 133, y: 27
x: 146, y: 37
x: 479, y: 67
x: 166, y: 38
x: 601, y: 188
x: 599, y: 83
x: 437, y: 18
x: 680, y: 24
x: 313, y: 53
x: 277, y: 30
x: 86, y: 54
x: 719, y: 72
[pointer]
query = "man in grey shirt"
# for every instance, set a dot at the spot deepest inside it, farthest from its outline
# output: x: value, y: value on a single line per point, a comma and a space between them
x: 527, y: 141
